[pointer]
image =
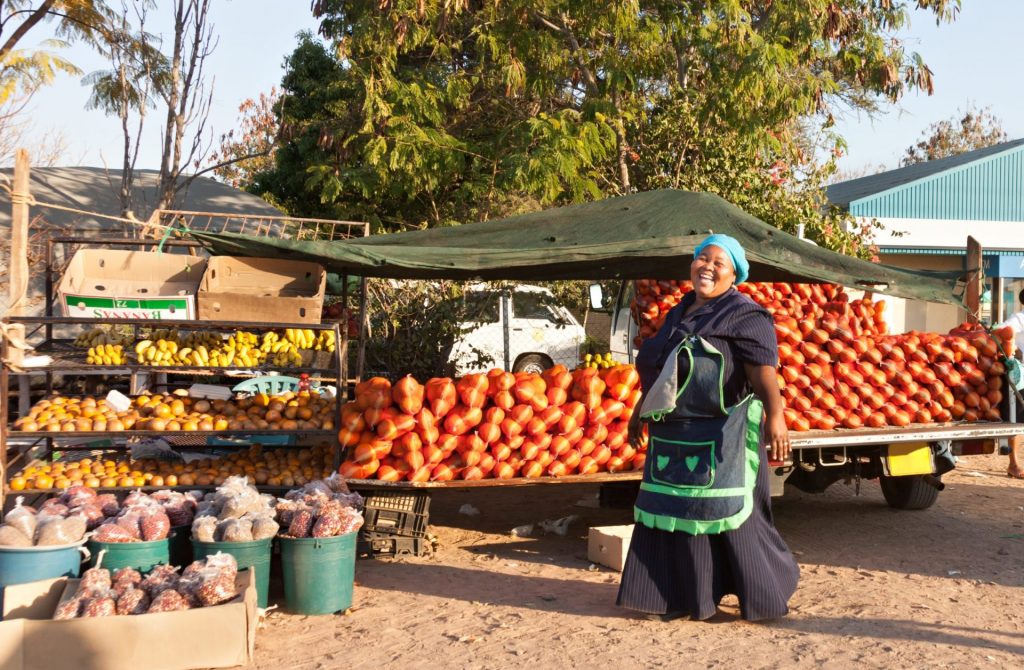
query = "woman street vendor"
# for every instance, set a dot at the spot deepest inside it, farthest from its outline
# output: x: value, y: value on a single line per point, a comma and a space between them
x: 713, y: 410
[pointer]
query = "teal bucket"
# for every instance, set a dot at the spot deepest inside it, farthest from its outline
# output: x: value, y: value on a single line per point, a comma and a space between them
x: 318, y: 572
x: 21, y: 565
x: 255, y: 555
x: 179, y: 545
x: 142, y: 556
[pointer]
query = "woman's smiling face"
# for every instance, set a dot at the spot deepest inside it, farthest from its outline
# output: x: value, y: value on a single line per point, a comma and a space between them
x: 712, y: 272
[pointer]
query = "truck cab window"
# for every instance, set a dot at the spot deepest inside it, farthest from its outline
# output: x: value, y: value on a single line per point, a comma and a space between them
x: 529, y: 305
x: 482, y: 307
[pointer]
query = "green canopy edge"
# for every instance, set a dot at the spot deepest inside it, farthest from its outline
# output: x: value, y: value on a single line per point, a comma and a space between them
x: 644, y: 235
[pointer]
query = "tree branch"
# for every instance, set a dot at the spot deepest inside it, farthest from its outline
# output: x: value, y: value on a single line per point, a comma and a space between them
x: 32, y: 20
x: 258, y: 154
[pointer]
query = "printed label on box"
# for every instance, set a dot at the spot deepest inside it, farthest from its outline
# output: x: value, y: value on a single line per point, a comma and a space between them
x: 116, y: 308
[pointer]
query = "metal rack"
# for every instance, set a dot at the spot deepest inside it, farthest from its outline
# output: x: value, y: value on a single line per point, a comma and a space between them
x: 65, y: 362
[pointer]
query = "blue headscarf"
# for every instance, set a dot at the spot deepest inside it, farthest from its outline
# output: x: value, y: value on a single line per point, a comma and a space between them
x: 732, y: 247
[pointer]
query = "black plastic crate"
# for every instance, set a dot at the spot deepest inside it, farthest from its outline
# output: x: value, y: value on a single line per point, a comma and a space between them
x: 390, y: 522
x: 401, y: 514
x: 382, y: 544
x: 618, y: 495
x: 398, y: 501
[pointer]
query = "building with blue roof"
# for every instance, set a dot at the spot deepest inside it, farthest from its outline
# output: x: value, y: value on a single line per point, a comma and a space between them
x: 926, y: 212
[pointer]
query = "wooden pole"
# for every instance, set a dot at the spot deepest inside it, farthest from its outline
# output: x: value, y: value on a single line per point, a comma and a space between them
x: 19, y: 234
x: 975, y: 277
x: 18, y: 259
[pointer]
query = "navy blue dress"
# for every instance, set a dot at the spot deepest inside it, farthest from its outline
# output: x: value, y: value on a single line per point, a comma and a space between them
x: 677, y: 572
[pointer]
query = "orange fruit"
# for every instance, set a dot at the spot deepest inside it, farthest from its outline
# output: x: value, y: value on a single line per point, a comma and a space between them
x: 92, y: 482
x: 43, y: 482
x: 17, y: 484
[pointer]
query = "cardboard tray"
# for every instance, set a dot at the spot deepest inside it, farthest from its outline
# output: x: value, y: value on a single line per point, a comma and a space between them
x: 267, y: 290
x: 207, y: 637
x: 118, y: 284
x: 608, y: 545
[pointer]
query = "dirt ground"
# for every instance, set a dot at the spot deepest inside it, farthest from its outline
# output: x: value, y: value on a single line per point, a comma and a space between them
x: 879, y: 588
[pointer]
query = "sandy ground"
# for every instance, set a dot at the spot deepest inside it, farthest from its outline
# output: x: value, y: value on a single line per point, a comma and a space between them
x: 879, y: 588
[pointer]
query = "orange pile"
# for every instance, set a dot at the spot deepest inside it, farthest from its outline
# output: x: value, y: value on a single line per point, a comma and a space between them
x: 272, y: 467
x: 839, y: 368
x: 499, y: 424
x: 287, y: 411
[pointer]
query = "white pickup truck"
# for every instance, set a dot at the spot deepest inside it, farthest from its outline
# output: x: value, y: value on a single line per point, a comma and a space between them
x: 522, y: 329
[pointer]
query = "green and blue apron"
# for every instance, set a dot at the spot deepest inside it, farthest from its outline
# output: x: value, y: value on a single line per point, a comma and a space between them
x: 702, y: 457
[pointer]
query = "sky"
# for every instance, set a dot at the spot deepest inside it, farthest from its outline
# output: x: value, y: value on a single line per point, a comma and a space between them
x: 975, y: 60
x: 254, y: 37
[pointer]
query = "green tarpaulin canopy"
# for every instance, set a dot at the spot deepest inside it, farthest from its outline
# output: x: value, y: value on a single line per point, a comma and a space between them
x: 645, y: 235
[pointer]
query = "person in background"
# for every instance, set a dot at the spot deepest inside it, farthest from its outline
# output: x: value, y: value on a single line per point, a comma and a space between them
x: 713, y: 410
x: 1016, y: 324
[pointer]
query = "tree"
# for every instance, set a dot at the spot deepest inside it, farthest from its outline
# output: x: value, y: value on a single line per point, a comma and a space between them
x: 433, y: 112
x: 138, y: 72
x: 964, y: 131
x: 186, y: 98
x: 25, y: 70
x: 143, y: 76
x: 249, y: 152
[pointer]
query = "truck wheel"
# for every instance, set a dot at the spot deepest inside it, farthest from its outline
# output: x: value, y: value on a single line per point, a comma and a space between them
x: 910, y: 492
x: 533, y: 363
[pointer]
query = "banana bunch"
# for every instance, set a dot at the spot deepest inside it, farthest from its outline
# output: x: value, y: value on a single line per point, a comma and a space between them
x: 159, y: 352
x: 241, y: 349
x: 281, y: 352
x: 302, y: 338
x: 307, y: 338
x: 97, y: 337
x: 598, y: 361
x: 169, y: 334
x: 204, y: 338
x: 106, y: 354
x: 324, y: 341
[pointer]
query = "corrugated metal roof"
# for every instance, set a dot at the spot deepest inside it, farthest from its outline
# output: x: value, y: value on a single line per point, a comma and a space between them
x: 924, y: 251
x: 96, y: 190
x: 920, y: 251
x: 846, y: 192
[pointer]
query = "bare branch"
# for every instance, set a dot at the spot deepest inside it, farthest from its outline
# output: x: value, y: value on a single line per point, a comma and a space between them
x: 20, y: 31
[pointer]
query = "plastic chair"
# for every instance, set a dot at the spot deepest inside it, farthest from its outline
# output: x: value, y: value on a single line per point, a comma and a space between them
x: 270, y: 385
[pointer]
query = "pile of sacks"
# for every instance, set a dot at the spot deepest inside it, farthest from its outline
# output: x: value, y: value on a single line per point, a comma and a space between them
x: 235, y: 512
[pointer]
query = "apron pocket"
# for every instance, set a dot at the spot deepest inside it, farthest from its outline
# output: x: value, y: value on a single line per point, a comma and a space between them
x: 682, y: 464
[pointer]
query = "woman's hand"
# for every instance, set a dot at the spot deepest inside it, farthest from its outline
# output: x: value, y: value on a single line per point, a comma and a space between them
x: 635, y: 428
x: 777, y: 436
x: 766, y: 386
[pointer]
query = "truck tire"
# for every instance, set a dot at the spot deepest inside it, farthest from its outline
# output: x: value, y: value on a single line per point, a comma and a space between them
x: 909, y: 492
x: 534, y: 363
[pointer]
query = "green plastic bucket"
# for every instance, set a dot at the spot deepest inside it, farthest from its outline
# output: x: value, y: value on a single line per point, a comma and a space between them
x: 179, y: 545
x: 139, y: 555
x: 255, y: 555
x: 21, y: 565
x: 318, y: 573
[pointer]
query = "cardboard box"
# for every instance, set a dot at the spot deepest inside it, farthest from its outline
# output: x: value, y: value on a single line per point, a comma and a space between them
x: 117, y: 284
x: 608, y: 545
x: 207, y: 637
x: 266, y: 290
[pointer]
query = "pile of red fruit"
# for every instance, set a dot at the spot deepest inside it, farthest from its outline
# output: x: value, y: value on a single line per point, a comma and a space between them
x: 498, y: 425
x: 839, y: 368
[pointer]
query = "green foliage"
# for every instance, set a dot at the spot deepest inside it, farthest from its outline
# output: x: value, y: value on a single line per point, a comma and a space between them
x: 964, y: 131
x: 423, y: 113
x: 414, y: 324
x: 250, y: 151
x: 23, y: 70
